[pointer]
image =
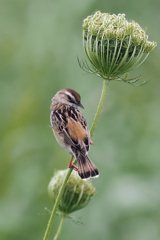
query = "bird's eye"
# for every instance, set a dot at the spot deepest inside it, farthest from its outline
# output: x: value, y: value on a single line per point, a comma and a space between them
x: 69, y: 98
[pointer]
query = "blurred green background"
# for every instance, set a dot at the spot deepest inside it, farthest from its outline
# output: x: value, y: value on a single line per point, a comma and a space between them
x: 39, y: 45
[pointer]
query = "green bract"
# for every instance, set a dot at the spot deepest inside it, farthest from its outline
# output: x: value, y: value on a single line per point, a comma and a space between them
x: 113, y: 45
x: 77, y: 192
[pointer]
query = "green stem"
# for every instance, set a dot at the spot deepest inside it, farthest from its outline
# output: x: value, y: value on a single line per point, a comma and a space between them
x: 60, y: 227
x: 99, y: 109
x: 105, y: 85
x: 53, y: 213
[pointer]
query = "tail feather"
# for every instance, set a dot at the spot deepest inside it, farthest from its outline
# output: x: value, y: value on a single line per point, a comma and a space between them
x: 86, y: 169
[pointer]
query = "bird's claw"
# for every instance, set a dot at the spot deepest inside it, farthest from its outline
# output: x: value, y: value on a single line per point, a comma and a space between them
x: 91, y: 142
x: 72, y: 165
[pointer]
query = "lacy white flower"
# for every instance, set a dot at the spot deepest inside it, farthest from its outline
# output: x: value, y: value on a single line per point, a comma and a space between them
x: 113, y: 45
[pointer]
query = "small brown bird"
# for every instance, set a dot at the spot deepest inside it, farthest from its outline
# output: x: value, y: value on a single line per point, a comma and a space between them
x: 71, y: 131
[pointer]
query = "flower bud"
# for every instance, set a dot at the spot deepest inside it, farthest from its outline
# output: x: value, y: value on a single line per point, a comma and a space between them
x: 76, y: 195
x: 113, y: 45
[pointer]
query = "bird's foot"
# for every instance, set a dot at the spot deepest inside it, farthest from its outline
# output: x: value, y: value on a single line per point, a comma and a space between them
x: 91, y: 142
x: 72, y: 165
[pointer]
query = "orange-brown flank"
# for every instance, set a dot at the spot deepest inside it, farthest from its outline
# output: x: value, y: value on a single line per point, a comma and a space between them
x: 76, y: 130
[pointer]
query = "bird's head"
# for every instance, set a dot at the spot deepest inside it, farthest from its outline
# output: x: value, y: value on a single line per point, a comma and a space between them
x: 68, y: 96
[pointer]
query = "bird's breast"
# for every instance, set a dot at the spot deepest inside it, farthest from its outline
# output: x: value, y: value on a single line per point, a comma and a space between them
x: 60, y: 139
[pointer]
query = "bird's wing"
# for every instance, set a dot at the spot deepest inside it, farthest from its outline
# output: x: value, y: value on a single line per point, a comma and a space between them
x: 73, y: 127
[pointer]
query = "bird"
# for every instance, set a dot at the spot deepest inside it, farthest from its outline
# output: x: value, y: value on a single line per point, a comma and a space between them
x: 71, y: 131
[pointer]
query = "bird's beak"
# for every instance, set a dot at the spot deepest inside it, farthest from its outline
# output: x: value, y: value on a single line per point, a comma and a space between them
x: 80, y: 105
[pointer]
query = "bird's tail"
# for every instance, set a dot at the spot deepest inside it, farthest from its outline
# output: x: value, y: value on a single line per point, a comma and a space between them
x: 86, y: 169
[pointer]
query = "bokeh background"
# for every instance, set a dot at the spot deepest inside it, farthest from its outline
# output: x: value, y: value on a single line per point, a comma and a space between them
x: 39, y: 45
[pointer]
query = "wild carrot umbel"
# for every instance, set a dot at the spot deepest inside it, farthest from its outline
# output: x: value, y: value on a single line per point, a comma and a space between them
x: 76, y: 195
x: 113, y: 46
x: 77, y: 192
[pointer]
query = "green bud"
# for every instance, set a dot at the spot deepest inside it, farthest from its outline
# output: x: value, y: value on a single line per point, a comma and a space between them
x: 77, y: 192
x: 113, y: 45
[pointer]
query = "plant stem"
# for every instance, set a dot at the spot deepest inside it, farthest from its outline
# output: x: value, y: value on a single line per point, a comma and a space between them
x: 99, y: 109
x: 60, y: 227
x: 105, y: 85
x: 53, y: 213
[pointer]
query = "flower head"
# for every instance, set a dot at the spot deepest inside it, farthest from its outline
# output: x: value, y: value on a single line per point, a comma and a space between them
x: 113, y: 45
x: 77, y: 192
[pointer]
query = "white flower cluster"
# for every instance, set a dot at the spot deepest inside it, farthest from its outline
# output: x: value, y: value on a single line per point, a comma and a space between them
x: 113, y: 46
x: 107, y: 27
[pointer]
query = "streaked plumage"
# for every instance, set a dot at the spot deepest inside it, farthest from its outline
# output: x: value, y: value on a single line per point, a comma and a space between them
x: 71, y: 130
